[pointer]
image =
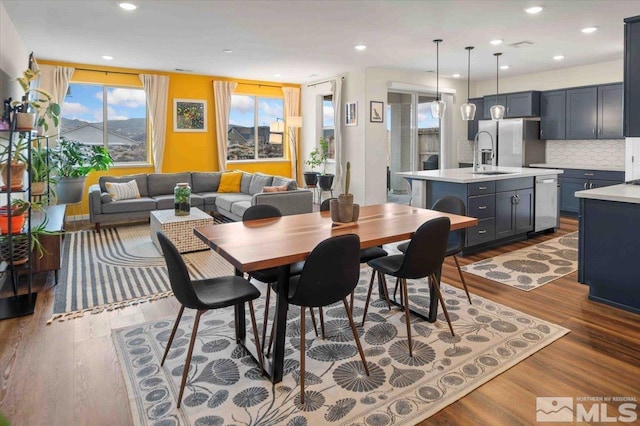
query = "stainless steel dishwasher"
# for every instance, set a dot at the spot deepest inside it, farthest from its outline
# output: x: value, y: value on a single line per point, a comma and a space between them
x: 546, y: 205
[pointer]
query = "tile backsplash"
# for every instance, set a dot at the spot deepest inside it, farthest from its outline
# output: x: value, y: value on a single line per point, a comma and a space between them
x: 587, y: 153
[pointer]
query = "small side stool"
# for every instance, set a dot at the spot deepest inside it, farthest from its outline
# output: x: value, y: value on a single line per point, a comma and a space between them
x: 320, y: 191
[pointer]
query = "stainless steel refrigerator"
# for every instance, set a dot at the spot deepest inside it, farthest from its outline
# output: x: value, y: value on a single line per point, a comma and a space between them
x: 516, y: 142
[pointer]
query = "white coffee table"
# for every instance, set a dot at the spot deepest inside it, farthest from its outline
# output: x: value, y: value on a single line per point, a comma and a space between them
x: 179, y: 229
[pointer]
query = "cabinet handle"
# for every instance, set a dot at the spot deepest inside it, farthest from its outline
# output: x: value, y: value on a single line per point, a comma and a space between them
x: 482, y: 207
x: 482, y: 231
x: 593, y: 131
x: 541, y: 132
x: 590, y: 185
x: 600, y: 130
x: 585, y: 185
x: 588, y: 174
x: 482, y: 188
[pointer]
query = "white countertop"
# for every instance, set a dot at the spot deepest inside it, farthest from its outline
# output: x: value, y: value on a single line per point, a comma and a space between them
x: 622, y: 193
x: 466, y: 175
x: 570, y: 166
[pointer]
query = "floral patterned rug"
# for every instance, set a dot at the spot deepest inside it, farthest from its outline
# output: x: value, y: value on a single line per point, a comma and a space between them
x: 531, y: 267
x: 225, y: 387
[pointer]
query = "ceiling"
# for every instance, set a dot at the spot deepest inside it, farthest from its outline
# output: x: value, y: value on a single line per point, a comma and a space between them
x: 307, y: 40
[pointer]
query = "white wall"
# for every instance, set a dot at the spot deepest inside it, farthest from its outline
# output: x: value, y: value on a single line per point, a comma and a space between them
x: 14, y: 57
x: 602, y: 73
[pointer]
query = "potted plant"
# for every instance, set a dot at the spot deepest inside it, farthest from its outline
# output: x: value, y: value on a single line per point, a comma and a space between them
x: 41, y: 170
x: 18, y: 209
x: 72, y: 162
x: 325, y: 180
x: 311, y: 178
x: 13, y: 160
x: 343, y: 210
x: 36, y: 105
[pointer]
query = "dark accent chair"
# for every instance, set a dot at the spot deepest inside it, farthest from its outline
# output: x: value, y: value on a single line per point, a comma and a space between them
x: 455, y: 245
x: 268, y: 276
x: 366, y: 255
x: 423, y: 258
x: 202, y: 295
x: 319, y: 285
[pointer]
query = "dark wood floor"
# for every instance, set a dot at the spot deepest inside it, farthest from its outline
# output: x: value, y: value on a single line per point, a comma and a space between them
x: 67, y: 373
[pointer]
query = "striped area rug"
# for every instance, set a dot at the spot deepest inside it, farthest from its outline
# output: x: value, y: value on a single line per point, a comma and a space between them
x: 119, y: 267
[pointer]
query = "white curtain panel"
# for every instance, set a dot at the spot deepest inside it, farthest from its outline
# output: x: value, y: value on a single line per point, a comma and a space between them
x: 291, y: 108
x: 55, y: 80
x: 336, y: 88
x: 222, y: 91
x: 156, y: 88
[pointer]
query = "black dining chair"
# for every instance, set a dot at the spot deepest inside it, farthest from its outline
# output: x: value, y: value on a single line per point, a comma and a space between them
x: 203, y: 295
x: 269, y: 276
x: 455, y: 245
x: 330, y: 274
x: 423, y: 258
x: 366, y: 255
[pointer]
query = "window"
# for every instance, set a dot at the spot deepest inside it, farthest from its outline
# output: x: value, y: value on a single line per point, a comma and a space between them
x: 115, y: 117
x: 328, y: 126
x: 251, y: 116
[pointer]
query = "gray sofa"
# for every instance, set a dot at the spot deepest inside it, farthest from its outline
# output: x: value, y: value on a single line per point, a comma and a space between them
x: 156, y: 193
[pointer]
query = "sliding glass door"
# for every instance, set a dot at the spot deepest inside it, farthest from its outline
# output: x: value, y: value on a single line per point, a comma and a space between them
x: 413, y: 140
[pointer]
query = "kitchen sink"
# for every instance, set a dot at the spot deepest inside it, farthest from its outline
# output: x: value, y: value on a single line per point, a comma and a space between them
x: 493, y: 173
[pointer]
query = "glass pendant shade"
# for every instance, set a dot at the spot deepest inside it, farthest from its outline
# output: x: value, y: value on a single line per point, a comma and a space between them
x: 497, y: 112
x: 438, y: 108
x: 468, y: 111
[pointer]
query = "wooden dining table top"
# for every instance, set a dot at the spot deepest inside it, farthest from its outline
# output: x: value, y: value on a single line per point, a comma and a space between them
x: 266, y: 243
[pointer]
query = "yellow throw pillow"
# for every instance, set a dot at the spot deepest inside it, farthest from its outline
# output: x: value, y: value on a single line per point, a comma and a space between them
x: 230, y: 182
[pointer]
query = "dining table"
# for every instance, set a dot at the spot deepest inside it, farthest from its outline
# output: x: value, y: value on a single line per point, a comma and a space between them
x: 281, y: 241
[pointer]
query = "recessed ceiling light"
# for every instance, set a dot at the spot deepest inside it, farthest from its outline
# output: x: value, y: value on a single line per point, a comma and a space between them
x: 127, y: 6
x: 504, y: 67
x: 533, y: 10
x: 558, y: 57
x: 227, y: 51
x: 107, y: 57
x: 589, y: 30
x: 456, y: 75
x: 496, y: 42
x: 277, y: 75
x: 360, y: 47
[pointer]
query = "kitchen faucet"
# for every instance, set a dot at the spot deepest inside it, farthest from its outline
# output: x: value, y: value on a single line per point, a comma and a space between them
x: 476, y: 164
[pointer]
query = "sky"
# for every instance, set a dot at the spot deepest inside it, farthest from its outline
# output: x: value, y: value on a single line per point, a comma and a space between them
x: 243, y: 110
x: 85, y: 102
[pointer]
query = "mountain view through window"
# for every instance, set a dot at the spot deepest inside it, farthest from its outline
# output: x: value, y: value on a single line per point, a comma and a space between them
x: 115, y: 117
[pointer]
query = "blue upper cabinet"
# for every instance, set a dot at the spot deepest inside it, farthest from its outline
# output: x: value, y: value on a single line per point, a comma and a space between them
x: 581, y: 113
x: 610, y: 111
x: 632, y: 76
x: 552, y: 114
x: 520, y: 104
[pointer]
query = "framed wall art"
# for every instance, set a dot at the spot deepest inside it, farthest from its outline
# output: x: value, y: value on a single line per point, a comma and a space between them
x: 351, y: 114
x: 376, y: 112
x: 189, y: 115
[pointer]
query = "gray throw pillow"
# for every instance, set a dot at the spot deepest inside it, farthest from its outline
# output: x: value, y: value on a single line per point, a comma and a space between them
x: 259, y: 181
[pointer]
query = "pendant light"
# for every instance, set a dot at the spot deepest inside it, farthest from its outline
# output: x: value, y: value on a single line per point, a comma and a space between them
x: 468, y: 110
x: 438, y: 106
x: 497, y: 111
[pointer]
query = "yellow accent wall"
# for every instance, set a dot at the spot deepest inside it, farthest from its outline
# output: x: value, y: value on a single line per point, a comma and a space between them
x: 183, y: 151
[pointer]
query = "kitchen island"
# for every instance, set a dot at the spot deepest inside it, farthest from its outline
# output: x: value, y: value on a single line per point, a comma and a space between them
x: 609, y: 245
x: 502, y: 198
